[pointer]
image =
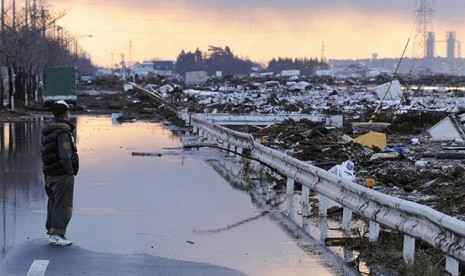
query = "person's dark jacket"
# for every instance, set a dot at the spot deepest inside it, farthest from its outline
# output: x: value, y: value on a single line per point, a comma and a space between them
x: 59, y: 152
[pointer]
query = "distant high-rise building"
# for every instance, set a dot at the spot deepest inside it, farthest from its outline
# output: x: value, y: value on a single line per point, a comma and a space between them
x: 451, y: 41
x: 430, y: 45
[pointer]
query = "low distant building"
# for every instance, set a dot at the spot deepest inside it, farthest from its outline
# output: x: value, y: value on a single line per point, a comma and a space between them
x: 163, y: 68
x: 373, y: 72
x: 324, y: 73
x: 196, y: 77
x: 158, y: 67
x: 290, y: 73
x: 101, y: 72
x: 261, y: 74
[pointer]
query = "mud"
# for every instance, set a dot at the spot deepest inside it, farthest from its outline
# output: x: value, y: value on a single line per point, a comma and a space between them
x: 438, y: 183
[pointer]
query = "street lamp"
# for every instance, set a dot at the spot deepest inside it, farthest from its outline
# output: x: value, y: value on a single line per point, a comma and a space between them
x: 76, y: 49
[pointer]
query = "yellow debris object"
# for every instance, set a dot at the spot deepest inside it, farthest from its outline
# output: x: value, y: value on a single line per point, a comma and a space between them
x: 372, y: 139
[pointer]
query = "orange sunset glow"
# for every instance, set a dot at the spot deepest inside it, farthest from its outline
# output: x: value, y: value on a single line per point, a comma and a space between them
x: 259, y: 31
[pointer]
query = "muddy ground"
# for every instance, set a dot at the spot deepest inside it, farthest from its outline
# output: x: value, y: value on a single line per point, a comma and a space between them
x: 411, y: 175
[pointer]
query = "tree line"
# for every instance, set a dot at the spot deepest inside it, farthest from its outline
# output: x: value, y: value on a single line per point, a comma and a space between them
x: 219, y: 59
x: 30, y: 40
x: 216, y: 59
x: 306, y: 66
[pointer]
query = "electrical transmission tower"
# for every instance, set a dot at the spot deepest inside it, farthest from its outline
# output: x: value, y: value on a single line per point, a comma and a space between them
x: 424, y: 22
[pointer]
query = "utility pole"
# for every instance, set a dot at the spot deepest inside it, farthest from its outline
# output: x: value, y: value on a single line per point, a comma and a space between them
x: 43, y: 20
x: 26, y: 11
x: 76, y: 49
x: 323, y: 51
x: 3, y: 16
x: 123, y: 67
x: 14, y: 15
x: 111, y: 68
x: 130, y: 55
x: 34, y: 15
x: 2, y: 87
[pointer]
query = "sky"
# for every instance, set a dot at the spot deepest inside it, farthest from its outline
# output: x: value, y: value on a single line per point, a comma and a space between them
x: 256, y: 29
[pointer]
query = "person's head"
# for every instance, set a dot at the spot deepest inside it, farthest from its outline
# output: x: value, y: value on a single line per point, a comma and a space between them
x: 61, y: 110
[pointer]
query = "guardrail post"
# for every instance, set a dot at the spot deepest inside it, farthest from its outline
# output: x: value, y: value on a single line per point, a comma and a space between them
x: 232, y: 149
x: 323, y: 209
x: 290, y: 186
x: 290, y: 207
x: 255, y: 166
x: 324, y: 228
x: 225, y: 145
x: 346, y: 220
x: 201, y: 132
x: 452, y: 266
x: 186, y: 120
x: 240, y: 150
x: 409, y: 249
x: 305, y: 210
x: 194, y: 129
x: 374, y: 231
x: 290, y: 198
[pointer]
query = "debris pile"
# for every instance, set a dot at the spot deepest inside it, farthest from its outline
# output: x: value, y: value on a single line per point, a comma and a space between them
x: 406, y: 163
x: 399, y: 168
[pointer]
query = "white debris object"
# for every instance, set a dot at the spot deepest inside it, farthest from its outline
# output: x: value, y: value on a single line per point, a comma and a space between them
x: 345, y: 170
x: 389, y: 91
x: 447, y: 129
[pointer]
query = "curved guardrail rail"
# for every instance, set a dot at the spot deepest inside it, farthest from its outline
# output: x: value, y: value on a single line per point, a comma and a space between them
x: 414, y: 220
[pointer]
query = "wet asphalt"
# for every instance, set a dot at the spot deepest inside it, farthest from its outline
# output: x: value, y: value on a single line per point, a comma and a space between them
x: 75, y: 260
x: 138, y: 215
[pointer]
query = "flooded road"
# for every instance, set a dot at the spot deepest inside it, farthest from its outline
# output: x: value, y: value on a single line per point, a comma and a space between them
x: 158, y: 206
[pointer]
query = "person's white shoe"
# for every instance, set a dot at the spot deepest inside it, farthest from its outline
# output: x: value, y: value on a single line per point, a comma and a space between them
x: 59, y: 240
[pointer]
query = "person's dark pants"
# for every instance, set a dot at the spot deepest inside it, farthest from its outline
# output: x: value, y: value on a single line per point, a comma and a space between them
x: 60, y: 191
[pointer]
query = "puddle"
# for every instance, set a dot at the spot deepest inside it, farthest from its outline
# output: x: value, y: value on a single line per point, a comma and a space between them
x: 163, y: 206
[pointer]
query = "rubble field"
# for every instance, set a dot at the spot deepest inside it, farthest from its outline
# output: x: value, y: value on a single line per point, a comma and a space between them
x: 412, y: 166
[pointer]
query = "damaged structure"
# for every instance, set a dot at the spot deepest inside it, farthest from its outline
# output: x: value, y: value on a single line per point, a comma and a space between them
x: 449, y: 128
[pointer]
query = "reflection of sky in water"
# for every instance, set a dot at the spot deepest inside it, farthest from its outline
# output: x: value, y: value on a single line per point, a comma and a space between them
x: 151, y: 205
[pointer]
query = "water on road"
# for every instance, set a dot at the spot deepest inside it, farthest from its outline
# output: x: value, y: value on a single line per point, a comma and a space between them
x: 161, y: 206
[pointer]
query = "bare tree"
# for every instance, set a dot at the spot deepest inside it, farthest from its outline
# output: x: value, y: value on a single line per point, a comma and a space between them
x: 27, y: 46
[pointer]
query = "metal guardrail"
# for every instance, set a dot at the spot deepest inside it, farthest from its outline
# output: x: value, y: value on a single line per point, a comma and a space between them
x: 414, y: 220
x: 155, y: 96
x: 269, y: 119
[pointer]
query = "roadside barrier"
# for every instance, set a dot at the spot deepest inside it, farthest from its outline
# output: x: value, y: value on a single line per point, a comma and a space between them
x: 414, y: 220
x: 269, y: 119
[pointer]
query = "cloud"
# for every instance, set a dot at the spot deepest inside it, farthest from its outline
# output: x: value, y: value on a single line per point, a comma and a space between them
x: 260, y: 29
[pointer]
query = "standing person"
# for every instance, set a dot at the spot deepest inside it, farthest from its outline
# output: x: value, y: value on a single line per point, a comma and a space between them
x: 60, y: 165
